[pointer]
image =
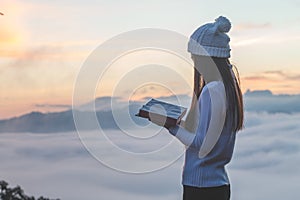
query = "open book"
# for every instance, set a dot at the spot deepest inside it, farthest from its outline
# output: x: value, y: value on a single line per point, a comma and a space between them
x: 161, y: 111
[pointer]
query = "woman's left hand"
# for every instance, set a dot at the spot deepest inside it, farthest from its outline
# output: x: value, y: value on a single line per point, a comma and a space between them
x: 160, y: 123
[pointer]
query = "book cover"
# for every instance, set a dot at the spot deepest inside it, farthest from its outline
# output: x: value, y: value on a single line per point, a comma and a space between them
x: 162, y: 111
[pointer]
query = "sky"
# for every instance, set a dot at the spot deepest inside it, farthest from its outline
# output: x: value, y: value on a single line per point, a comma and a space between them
x: 264, y: 165
x: 44, y: 44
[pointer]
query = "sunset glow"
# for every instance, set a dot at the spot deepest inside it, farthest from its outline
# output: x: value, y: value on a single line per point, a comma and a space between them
x: 43, y: 45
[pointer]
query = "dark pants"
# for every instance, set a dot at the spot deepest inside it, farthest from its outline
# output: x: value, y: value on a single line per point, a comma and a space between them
x: 207, y: 193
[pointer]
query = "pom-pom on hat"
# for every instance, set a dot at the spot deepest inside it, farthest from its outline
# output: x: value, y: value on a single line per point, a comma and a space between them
x: 211, y: 39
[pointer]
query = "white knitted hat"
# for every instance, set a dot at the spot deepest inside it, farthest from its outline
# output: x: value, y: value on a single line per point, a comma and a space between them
x: 211, y: 39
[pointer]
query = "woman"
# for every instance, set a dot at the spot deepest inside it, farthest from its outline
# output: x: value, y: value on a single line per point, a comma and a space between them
x: 216, y: 114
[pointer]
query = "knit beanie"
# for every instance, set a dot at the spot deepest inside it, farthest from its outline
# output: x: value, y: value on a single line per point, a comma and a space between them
x: 211, y: 39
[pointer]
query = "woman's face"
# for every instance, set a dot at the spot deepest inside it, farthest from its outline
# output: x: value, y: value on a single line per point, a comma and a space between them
x: 206, y: 67
x: 201, y: 63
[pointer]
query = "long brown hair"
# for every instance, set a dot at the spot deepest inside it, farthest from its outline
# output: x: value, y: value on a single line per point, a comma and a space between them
x: 234, y: 97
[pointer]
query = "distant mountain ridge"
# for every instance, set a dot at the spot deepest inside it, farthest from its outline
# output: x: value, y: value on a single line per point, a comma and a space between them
x: 37, y: 122
x: 258, y: 93
x: 266, y: 101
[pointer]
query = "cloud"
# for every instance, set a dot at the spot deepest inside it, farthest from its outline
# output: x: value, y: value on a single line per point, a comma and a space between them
x: 52, y: 106
x: 255, y: 78
x: 39, y: 55
x: 279, y: 81
x: 265, y: 101
x: 283, y: 74
x: 265, y: 160
x: 267, y: 152
x: 264, y: 35
x: 61, y: 161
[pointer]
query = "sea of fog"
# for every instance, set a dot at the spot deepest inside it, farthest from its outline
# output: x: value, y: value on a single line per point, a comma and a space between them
x: 265, y: 164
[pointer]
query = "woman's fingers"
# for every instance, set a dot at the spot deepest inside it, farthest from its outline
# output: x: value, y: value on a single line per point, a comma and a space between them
x: 160, y: 123
x: 157, y: 122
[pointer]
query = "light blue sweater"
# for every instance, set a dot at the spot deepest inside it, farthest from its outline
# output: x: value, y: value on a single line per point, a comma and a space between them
x: 205, y: 166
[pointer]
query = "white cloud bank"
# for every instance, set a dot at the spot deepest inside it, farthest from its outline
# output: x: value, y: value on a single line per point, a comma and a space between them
x: 265, y: 165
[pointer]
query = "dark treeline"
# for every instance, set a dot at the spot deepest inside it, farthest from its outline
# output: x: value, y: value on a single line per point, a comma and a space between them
x: 16, y: 193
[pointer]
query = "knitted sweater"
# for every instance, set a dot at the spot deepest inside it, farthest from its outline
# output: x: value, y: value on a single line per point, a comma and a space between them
x: 210, y: 148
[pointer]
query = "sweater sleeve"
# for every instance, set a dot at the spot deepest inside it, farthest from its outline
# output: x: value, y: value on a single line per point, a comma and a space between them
x: 212, y: 109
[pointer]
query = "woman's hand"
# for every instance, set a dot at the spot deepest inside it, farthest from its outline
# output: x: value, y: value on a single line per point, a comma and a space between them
x: 161, y: 123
